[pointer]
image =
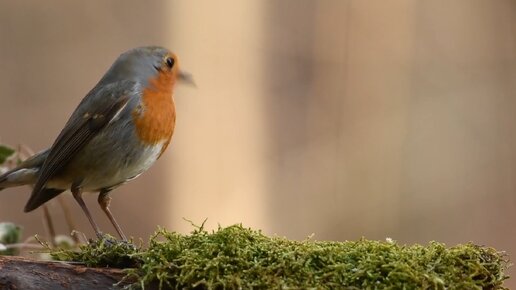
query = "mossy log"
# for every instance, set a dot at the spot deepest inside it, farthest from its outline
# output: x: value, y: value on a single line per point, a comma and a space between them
x: 22, y: 273
x: 240, y: 258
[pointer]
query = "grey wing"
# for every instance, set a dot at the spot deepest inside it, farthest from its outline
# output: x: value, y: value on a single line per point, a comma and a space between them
x: 95, y: 111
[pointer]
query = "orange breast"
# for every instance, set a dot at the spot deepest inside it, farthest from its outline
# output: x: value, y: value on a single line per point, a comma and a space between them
x: 155, y: 118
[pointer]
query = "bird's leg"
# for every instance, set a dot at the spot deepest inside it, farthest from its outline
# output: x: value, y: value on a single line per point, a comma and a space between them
x: 104, y: 200
x: 77, y: 194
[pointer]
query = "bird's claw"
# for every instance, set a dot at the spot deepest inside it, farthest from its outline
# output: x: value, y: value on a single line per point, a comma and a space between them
x: 110, y: 241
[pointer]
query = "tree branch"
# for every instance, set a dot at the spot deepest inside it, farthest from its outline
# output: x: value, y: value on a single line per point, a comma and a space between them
x: 23, y: 273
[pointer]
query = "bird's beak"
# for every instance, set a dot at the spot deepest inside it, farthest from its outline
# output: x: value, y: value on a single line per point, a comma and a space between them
x: 186, y: 77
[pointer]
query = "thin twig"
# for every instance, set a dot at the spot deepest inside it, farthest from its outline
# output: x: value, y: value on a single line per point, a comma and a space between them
x: 24, y: 246
x: 49, y: 225
x: 68, y: 217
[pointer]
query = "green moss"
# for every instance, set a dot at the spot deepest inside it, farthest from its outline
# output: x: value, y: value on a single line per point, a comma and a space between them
x: 239, y: 258
x: 9, y: 234
x: 5, y: 152
x: 106, y: 252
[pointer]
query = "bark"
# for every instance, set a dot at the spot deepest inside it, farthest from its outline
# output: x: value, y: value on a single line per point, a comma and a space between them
x: 23, y: 273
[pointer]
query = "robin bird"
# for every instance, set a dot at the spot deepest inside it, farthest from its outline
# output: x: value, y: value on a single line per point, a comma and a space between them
x: 122, y: 126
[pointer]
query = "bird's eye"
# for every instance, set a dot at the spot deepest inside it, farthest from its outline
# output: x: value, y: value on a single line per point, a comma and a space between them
x: 170, y: 62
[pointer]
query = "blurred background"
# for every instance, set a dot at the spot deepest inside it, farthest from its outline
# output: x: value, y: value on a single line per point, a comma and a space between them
x: 339, y: 118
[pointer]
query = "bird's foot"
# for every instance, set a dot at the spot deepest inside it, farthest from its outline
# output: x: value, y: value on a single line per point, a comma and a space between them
x: 111, y: 241
x: 106, y: 250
